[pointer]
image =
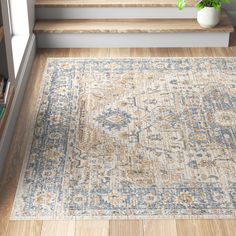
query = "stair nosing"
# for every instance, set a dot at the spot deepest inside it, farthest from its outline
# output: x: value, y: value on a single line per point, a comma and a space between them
x: 75, y: 4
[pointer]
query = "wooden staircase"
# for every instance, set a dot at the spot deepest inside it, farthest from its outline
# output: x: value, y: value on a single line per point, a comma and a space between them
x: 124, y: 23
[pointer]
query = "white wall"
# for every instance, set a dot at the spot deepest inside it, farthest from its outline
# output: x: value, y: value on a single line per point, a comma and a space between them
x: 231, y: 9
x: 231, y: 6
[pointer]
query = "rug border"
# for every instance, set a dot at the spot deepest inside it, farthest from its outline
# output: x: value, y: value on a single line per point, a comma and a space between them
x: 30, y: 140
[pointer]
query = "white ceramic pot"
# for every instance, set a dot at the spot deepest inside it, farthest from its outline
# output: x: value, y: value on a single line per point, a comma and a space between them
x: 208, y: 17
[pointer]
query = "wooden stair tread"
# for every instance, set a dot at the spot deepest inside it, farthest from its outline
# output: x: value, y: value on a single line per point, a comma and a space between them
x: 128, y: 26
x: 112, y: 3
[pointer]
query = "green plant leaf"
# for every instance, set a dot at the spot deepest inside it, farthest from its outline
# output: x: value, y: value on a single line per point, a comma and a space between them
x: 200, y: 6
x: 204, y: 3
x: 181, y: 4
x: 217, y: 6
x: 226, y: 1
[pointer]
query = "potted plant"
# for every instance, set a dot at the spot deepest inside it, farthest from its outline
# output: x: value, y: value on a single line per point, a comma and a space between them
x: 208, y: 15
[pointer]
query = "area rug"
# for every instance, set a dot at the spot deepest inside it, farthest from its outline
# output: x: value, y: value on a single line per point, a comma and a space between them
x: 132, y: 138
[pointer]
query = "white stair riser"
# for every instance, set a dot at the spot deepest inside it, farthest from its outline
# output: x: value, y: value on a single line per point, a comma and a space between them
x: 116, y: 13
x: 133, y: 40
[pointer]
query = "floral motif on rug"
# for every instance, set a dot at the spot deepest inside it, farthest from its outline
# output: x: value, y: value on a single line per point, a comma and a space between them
x: 132, y: 138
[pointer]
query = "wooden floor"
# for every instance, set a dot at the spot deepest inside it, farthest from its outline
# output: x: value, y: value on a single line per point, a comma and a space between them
x: 94, y: 228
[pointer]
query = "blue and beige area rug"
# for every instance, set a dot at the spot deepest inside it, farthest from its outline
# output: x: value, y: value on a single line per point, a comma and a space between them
x: 133, y: 139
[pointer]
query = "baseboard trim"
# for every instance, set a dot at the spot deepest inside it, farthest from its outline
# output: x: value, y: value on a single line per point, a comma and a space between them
x: 133, y: 40
x: 23, y: 75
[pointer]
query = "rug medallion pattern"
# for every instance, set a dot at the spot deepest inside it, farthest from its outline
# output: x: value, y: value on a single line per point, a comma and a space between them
x: 132, y: 138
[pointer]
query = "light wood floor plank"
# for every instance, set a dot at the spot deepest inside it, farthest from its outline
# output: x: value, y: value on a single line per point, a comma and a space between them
x: 101, y: 52
x: 90, y: 52
x: 140, y: 52
x: 24, y: 228
x: 85, y: 52
x: 175, y: 52
x: 159, y: 52
x: 159, y: 227
x: 120, y: 52
x: 206, y: 227
x: 58, y: 228
x: 126, y: 228
x: 92, y: 228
